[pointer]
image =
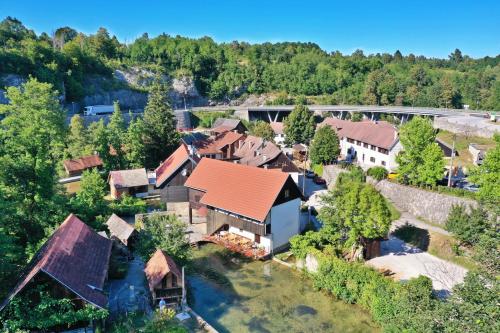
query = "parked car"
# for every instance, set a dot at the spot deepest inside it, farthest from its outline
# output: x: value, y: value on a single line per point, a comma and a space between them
x: 318, y: 180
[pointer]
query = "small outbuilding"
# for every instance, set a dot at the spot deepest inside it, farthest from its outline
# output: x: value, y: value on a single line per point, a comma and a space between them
x: 165, y: 279
x: 222, y: 125
x: 77, y: 166
x: 133, y: 182
x: 120, y: 230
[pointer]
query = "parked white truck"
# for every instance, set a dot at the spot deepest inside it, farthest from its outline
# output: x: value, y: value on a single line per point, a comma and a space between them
x: 93, y: 110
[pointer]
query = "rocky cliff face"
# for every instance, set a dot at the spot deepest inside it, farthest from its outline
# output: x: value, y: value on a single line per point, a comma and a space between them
x: 128, y: 86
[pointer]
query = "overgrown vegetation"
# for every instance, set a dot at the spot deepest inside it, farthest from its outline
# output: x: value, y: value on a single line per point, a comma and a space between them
x: 229, y: 70
x: 377, y: 172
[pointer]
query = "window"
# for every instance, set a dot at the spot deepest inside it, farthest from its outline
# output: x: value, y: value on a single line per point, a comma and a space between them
x: 383, y: 151
x: 365, y: 145
x: 174, y: 281
x: 363, y: 158
x: 372, y: 147
x: 268, y: 228
x: 350, y: 140
x: 372, y: 159
x: 383, y: 163
x: 287, y: 193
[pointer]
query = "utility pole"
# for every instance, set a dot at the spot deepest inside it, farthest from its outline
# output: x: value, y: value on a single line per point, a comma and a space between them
x: 451, y: 160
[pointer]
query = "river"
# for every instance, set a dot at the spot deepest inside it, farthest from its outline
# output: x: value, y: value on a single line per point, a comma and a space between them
x: 235, y: 294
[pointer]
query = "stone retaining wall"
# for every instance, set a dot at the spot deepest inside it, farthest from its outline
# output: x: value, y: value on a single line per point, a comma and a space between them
x: 430, y: 206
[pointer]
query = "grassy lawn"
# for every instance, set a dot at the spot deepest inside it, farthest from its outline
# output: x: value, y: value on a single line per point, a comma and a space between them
x: 438, y: 245
x: 462, y: 142
x: 318, y: 169
x: 72, y: 187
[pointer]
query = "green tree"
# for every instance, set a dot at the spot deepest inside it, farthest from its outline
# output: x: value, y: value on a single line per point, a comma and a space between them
x: 415, y: 136
x: 160, y: 136
x: 487, y: 176
x: 164, y: 232
x: 78, y: 140
x: 100, y: 143
x: 263, y: 130
x: 355, y: 211
x: 116, y: 134
x: 299, y: 125
x: 31, y: 137
x: 89, y: 201
x: 134, y: 143
x: 325, y: 147
x: 431, y: 169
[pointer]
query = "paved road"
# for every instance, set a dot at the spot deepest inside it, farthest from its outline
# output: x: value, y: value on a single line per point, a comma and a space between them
x: 407, y: 262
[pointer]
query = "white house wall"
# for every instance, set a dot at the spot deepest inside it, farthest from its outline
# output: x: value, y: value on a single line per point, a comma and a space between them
x: 285, y: 222
x: 389, y: 159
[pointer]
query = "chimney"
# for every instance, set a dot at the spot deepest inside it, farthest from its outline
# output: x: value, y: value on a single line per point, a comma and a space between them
x: 264, y: 158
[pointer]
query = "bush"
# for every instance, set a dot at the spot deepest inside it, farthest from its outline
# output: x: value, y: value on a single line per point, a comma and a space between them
x: 467, y: 228
x: 377, y: 172
x: 128, y: 205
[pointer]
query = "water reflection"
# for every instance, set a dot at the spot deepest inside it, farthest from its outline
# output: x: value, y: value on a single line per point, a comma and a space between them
x: 237, y: 295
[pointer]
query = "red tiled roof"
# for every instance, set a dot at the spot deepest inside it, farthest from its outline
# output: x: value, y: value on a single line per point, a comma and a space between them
x: 214, y: 145
x: 158, y: 266
x: 381, y: 133
x: 76, y: 257
x: 277, y: 127
x: 171, y: 164
x: 82, y: 163
x: 241, y: 189
x: 256, y: 151
x: 129, y: 178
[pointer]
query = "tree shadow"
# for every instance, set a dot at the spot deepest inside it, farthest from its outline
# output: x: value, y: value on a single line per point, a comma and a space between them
x: 412, y: 235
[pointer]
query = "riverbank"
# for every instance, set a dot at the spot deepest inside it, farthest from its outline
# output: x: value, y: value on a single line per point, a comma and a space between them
x: 235, y: 294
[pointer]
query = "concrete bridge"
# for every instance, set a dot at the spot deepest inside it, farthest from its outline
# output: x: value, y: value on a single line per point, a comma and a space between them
x: 277, y: 113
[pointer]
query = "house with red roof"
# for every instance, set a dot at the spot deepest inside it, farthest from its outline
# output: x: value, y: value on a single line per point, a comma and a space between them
x: 173, y: 173
x: 73, y: 263
x: 261, y: 205
x: 221, y: 146
x: 77, y: 166
x: 369, y: 143
x: 164, y: 278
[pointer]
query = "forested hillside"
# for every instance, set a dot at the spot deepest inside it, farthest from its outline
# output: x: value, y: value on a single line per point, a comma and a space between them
x: 222, y: 72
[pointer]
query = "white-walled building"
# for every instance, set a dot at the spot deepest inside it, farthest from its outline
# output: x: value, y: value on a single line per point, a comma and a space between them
x: 261, y: 205
x: 279, y: 134
x: 368, y: 143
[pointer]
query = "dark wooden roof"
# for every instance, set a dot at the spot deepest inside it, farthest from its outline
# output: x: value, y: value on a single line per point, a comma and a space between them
x: 76, y: 257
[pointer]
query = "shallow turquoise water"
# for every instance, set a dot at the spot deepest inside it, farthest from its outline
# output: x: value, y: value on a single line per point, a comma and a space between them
x: 237, y: 295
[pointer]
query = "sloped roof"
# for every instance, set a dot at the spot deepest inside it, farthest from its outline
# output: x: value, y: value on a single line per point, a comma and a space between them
x: 256, y: 151
x: 171, y: 164
x: 277, y: 127
x: 119, y: 228
x: 381, y: 133
x: 129, y: 178
x: 225, y: 124
x: 76, y: 257
x: 241, y: 189
x: 215, y: 144
x: 158, y: 266
x: 82, y: 163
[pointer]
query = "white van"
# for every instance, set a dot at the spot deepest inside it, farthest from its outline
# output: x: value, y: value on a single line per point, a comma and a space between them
x: 93, y: 110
